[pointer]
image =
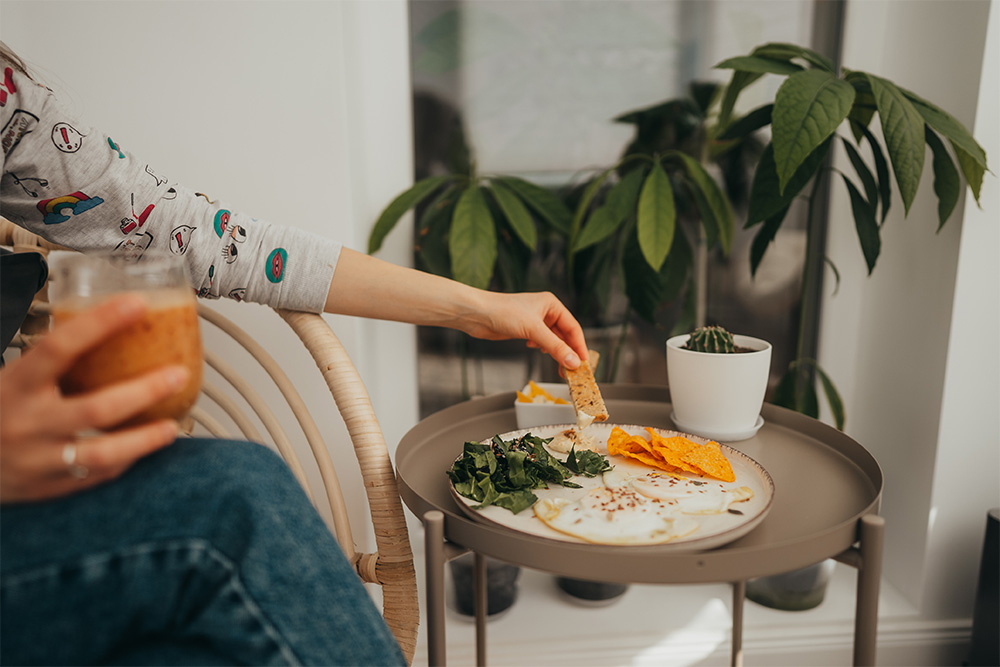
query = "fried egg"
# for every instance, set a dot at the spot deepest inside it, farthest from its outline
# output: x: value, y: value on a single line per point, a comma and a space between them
x: 614, y: 516
x: 572, y: 437
x: 684, y: 494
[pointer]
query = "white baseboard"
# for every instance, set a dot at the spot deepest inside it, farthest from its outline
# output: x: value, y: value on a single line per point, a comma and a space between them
x: 691, y: 625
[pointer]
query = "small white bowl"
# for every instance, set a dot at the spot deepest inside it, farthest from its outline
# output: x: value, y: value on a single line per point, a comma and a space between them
x: 545, y: 414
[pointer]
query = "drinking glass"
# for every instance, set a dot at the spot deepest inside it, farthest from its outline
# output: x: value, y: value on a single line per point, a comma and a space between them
x: 167, y: 334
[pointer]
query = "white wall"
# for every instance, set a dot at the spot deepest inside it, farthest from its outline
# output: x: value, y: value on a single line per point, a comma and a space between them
x: 914, y: 347
x: 295, y: 112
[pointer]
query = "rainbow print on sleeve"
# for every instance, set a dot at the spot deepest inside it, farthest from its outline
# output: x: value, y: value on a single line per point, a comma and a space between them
x: 58, y: 209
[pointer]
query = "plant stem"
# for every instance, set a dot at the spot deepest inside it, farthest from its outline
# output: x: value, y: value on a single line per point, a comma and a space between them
x: 807, y: 306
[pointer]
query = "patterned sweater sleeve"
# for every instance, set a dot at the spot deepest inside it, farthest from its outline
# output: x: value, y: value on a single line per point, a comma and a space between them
x: 77, y: 187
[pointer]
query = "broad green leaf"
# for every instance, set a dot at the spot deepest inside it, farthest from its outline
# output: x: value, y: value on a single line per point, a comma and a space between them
x: 512, y: 267
x: 751, y: 122
x: 807, y: 109
x: 864, y: 173
x: 624, y: 196
x: 881, y: 171
x: 762, y: 239
x: 945, y: 124
x: 647, y: 289
x: 400, y: 205
x: 866, y: 225
x: 585, y: 200
x: 785, y: 51
x: 862, y: 112
x: 657, y: 217
x: 759, y: 65
x: 601, y: 224
x: 972, y: 169
x: 516, y: 213
x: 712, y: 202
x: 832, y: 398
x: 766, y: 198
x: 786, y: 394
x: 903, y: 129
x: 542, y: 201
x: 737, y: 83
x: 704, y: 94
x: 947, y: 183
x: 836, y: 275
x: 432, y: 232
x: 433, y: 213
x: 472, y: 241
x: 621, y: 201
x: 784, y: 391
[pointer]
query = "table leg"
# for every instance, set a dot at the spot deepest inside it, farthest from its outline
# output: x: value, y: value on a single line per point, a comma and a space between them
x: 739, y: 593
x: 872, y: 530
x: 434, y: 566
x: 481, y: 599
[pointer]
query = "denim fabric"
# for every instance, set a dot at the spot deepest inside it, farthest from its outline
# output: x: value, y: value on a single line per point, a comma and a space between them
x: 205, y: 553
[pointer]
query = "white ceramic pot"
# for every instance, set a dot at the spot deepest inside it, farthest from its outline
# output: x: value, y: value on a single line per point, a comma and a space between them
x: 718, y: 396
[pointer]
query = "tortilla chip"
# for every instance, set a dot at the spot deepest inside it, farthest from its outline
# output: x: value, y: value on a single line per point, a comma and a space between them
x: 710, y: 460
x: 673, y: 454
x: 637, y: 447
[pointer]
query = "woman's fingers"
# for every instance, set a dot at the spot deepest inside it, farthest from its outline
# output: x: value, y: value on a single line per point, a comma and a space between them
x: 60, y: 468
x: 57, y: 351
x: 108, y: 455
x: 568, y: 331
x: 112, y: 405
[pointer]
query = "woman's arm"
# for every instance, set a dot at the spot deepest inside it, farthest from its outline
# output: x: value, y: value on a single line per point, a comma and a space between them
x: 365, y: 286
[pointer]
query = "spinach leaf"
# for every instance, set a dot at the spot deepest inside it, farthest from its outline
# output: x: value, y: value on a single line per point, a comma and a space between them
x: 503, y: 472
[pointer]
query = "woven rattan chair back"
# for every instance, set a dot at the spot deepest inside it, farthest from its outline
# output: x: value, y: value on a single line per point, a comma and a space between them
x: 391, y: 565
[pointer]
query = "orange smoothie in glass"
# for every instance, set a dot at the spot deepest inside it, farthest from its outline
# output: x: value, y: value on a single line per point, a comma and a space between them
x: 167, y: 334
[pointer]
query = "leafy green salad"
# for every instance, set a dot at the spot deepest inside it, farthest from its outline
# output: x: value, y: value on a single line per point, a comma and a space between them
x: 504, y: 472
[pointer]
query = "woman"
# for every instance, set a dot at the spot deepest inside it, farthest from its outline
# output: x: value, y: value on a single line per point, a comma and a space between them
x: 128, y: 546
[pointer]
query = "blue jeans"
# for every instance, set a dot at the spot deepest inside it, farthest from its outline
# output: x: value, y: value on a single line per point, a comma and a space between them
x: 207, y: 553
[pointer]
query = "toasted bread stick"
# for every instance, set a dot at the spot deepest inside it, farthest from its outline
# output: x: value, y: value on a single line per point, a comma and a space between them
x: 583, y: 389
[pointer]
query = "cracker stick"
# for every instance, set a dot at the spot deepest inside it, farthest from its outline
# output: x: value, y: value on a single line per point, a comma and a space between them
x: 584, y: 391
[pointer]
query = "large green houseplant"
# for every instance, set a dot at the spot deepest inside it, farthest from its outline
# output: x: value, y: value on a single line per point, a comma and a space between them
x: 500, y: 231
x: 812, y: 103
x: 619, y: 226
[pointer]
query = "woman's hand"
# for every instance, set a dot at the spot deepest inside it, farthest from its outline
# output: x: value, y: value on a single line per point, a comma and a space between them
x: 42, y: 453
x: 537, y: 317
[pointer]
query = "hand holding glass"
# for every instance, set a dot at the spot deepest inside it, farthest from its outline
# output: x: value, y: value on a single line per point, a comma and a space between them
x: 167, y: 334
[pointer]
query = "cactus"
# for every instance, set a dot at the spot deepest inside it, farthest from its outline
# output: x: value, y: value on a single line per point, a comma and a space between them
x: 711, y: 339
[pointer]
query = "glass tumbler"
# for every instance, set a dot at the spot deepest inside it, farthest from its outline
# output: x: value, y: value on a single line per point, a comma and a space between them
x: 167, y: 334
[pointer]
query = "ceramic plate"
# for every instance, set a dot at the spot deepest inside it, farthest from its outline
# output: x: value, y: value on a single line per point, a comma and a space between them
x: 712, y: 530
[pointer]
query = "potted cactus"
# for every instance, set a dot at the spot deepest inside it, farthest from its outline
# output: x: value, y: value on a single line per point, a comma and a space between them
x: 717, y: 382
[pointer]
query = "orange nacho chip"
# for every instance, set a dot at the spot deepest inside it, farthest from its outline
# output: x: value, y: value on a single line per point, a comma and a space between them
x: 674, y: 454
x: 711, y: 461
x: 672, y: 450
x: 637, y: 447
x: 535, y: 391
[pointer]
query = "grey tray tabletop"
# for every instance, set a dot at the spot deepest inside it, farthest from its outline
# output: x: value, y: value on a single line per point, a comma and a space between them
x: 824, y: 483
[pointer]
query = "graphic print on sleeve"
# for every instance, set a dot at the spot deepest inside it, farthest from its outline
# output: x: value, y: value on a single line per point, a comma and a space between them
x: 57, y: 210
x: 7, y: 87
x: 275, y: 267
x: 179, y: 238
x: 66, y: 138
x: 20, y: 124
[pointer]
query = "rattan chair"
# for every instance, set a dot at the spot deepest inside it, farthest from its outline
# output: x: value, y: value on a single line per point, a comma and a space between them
x: 391, y: 565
